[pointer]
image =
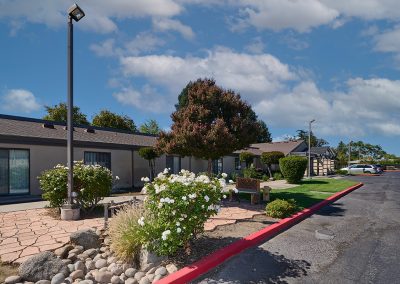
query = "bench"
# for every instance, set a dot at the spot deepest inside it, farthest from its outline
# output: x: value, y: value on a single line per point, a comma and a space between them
x: 251, y: 186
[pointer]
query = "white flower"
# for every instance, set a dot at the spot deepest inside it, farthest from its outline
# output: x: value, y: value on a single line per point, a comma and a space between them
x: 82, y: 189
x: 231, y: 181
x: 224, y: 196
x: 141, y: 221
x: 235, y: 190
x: 178, y: 230
x: 74, y: 194
x: 116, y: 177
x: 145, y: 179
x: 202, y: 206
x: 165, y: 234
x: 173, y: 212
x: 207, y: 198
x: 192, y: 196
x: 165, y: 171
x: 160, y: 205
x: 180, y: 219
x: 224, y: 175
x: 184, y: 198
x: 178, y: 224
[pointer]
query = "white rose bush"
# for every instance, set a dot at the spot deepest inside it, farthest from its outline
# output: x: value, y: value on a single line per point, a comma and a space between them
x: 177, y: 206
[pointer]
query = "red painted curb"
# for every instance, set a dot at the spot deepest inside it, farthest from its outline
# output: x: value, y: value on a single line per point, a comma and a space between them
x: 200, y: 267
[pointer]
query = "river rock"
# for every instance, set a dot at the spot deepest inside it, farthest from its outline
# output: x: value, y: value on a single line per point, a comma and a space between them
x: 12, y: 279
x: 58, y: 278
x: 86, y: 238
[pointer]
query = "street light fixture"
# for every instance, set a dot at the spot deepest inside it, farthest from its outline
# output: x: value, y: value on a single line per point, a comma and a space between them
x: 309, y: 148
x: 74, y: 13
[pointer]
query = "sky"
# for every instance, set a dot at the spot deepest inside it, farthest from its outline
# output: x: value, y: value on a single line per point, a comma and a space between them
x: 335, y: 61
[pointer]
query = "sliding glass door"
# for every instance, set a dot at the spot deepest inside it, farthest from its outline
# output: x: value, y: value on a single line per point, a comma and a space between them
x: 14, y: 171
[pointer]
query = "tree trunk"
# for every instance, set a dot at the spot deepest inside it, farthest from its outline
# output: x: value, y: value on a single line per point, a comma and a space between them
x: 269, y: 171
x: 209, y: 167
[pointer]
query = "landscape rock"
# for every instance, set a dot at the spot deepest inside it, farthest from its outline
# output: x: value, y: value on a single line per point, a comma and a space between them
x: 147, y: 257
x: 58, y: 278
x: 156, y: 278
x: 67, y: 261
x: 97, y: 257
x: 161, y: 271
x: 139, y: 275
x: 115, y: 280
x: 77, y: 274
x: 12, y: 279
x: 77, y: 249
x: 79, y: 265
x: 43, y: 266
x: 147, y: 267
x: 71, y: 268
x: 43, y: 282
x: 117, y: 270
x: 101, y: 263
x: 90, y: 252
x: 103, y: 276
x: 130, y: 272
x: 63, y: 251
x: 86, y: 281
x: 86, y: 238
x: 72, y: 256
x: 103, y: 269
x: 131, y: 281
x: 171, y: 268
x: 150, y: 277
x: 151, y: 270
x: 144, y: 280
x: 90, y: 265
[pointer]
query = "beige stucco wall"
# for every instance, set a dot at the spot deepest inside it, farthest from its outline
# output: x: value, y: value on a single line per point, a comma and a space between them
x: 228, y: 164
x: 46, y: 157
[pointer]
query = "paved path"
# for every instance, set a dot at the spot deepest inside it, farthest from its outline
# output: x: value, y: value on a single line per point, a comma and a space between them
x: 365, y: 247
x: 27, y: 232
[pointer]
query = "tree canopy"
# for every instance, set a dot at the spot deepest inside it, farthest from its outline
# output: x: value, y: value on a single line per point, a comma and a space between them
x: 212, y: 123
x: 315, y: 142
x: 359, y: 150
x: 246, y: 157
x: 59, y: 113
x: 149, y: 154
x: 150, y: 127
x: 264, y: 135
x: 269, y: 158
x: 109, y: 119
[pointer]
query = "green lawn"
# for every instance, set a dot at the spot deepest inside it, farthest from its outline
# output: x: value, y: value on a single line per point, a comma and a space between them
x: 312, y: 191
x: 309, y: 192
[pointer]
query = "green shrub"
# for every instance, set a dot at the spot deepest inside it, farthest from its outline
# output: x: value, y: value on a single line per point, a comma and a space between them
x: 269, y: 158
x: 246, y: 157
x: 280, y: 208
x: 341, y: 172
x: 251, y: 172
x: 293, y: 168
x: 125, y: 236
x: 265, y: 177
x: 278, y: 175
x: 178, y: 206
x: 91, y: 185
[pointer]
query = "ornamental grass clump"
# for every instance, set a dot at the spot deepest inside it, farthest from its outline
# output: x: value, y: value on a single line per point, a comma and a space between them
x: 177, y: 207
x: 125, y: 235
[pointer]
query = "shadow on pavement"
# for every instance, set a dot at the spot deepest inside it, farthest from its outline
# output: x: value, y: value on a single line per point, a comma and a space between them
x: 331, y: 210
x: 257, y: 266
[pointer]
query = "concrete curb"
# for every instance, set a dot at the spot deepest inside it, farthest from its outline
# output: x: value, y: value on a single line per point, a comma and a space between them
x: 200, y: 267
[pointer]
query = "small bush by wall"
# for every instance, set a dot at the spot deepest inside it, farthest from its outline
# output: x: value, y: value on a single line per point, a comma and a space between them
x: 280, y: 208
x: 293, y: 168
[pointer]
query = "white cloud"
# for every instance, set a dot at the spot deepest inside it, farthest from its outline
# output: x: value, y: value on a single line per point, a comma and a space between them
x: 388, y: 41
x: 100, y: 13
x: 105, y: 48
x: 147, y: 99
x: 256, y: 46
x: 164, y: 24
x: 252, y: 75
x: 20, y: 100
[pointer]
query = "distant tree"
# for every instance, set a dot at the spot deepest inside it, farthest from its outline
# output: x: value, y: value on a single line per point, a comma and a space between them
x: 150, y: 127
x: 315, y: 142
x: 212, y: 123
x: 270, y: 158
x: 264, y: 134
x: 59, y: 113
x: 183, y: 96
x: 109, y: 119
x: 149, y: 154
x: 247, y: 158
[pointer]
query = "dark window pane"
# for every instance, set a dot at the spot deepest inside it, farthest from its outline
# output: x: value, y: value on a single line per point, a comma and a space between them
x: 19, y: 171
x: 98, y: 158
x: 3, y: 171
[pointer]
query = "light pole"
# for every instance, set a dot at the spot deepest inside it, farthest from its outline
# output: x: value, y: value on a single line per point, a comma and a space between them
x: 74, y: 13
x: 309, y: 148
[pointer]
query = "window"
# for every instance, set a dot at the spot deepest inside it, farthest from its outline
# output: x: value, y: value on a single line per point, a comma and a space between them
x: 238, y: 165
x: 217, y: 166
x: 14, y: 171
x: 98, y: 158
x: 174, y: 164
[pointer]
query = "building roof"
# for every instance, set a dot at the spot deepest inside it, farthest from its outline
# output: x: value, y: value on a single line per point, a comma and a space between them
x: 323, y: 151
x: 285, y: 147
x: 22, y: 130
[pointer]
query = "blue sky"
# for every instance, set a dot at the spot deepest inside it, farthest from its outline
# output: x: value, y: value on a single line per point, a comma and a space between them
x: 333, y: 61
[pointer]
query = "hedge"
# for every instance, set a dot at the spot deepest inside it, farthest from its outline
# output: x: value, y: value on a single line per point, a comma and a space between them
x: 293, y: 168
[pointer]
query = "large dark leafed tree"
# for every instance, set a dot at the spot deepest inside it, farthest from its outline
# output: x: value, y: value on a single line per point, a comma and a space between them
x: 59, y: 113
x: 109, y: 119
x: 210, y: 122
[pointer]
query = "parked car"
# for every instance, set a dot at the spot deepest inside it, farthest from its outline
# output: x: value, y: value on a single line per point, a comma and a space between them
x: 379, y: 168
x: 361, y: 169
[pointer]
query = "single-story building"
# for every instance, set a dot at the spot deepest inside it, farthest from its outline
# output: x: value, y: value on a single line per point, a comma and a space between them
x: 30, y: 146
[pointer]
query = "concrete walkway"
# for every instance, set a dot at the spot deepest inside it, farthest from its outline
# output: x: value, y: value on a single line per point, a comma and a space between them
x: 28, y: 232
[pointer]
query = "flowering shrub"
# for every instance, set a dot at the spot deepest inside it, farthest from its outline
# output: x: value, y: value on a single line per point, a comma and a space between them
x: 91, y: 184
x: 177, y: 208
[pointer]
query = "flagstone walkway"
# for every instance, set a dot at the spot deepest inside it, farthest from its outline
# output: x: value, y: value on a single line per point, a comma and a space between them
x: 28, y: 232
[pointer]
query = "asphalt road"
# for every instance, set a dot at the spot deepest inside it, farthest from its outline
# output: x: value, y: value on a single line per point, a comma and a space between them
x: 365, y: 226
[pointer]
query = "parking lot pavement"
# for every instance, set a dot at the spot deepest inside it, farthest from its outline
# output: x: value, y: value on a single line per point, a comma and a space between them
x: 357, y: 242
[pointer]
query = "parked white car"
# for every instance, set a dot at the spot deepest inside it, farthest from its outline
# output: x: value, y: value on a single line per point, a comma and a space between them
x: 361, y: 169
